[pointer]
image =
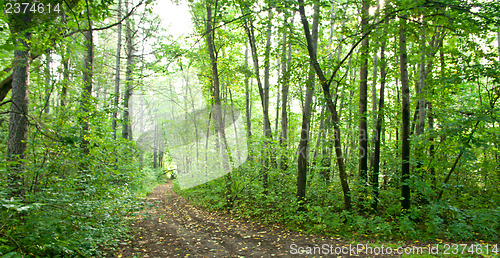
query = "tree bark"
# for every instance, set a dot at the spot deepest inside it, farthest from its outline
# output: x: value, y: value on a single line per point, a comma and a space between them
x: 87, y: 85
x: 226, y: 156
x: 65, y: 63
x: 363, y: 97
x: 267, y: 67
x: 405, y: 91
x: 263, y: 97
x: 325, y: 85
x: 303, y: 151
x: 285, y: 65
x: 126, y: 126
x: 48, y: 84
x: 18, y: 124
x: 378, y: 127
x: 247, y: 99
x: 421, y: 89
x: 117, y: 75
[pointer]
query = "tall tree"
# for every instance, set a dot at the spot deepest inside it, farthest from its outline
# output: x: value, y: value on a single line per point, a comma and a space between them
x: 303, y: 151
x: 285, y: 73
x: 248, y: 100
x: 126, y: 125
x: 87, y: 83
x: 48, y: 82
x: 20, y: 25
x: 378, y: 127
x: 325, y: 85
x: 263, y: 90
x: 216, y: 94
x: 405, y: 130
x: 117, y: 70
x: 65, y: 64
x: 363, y: 97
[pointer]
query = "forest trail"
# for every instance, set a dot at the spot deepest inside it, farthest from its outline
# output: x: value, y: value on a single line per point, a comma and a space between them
x: 171, y: 227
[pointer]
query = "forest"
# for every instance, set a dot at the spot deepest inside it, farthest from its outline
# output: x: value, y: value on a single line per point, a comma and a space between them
x: 359, y: 120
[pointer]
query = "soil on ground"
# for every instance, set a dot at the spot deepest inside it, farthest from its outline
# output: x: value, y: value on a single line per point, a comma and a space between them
x: 172, y: 227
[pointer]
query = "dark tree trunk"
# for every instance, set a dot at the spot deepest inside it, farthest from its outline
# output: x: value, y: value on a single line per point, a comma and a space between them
x: 378, y: 128
x: 325, y: 85
x: 405, y: 136
x: 303, y: 151
x: 65, y: 63
x: 363, y: 98
x: 18, y: 125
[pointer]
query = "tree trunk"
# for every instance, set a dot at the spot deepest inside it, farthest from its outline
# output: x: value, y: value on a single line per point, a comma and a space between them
x: 87, y: 86
x: 498, y: 39
x: 378, y: 127
x: 363, y: 97
x: 263, y: 98
x: 155, y: 144
x: 18, y: 124
x: 267, y: 67
x: 248, y: 99
x: 226, y: 157
x: 405, y: 91
x: 303, y: 151
x: 126, y: 126
x: 117, y: 75
x: 421, y: 89
x: 325, y: 85
x: 65, y: 63
x: 48, y: 84
x: 285, y: 64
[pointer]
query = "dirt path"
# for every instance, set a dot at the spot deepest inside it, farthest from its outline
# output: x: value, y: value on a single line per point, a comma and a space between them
x: 174, y: 228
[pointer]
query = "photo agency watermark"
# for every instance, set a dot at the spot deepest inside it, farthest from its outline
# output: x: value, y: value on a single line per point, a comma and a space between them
x: 367, y: 249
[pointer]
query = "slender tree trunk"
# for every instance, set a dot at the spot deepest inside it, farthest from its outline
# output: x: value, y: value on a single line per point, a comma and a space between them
x: 432, y: 151
x: 18, y: 124
x: 325, y: 85
x: 155, y: 144
x: 457, y: 159
x: 160, y: 159
x: 247, y: 99
x: 422, y: 74
x: 48, y: 82
x: 374, y: 94
x: 267, y: 67
x: 363, y: 95
x: 498, y: 39
x: 126, y: 126
x: 282, y: 80
x: 405, y: 91
x: 277, y: 120
x: 303, y: 151
x: 263, y: 97
x: 217, y: 101
x: 374, y: 105
x: 285, y: 64
x: 378, y: 127
x: 65, y: 63
x: 117, y: 75
x: 87, y: 86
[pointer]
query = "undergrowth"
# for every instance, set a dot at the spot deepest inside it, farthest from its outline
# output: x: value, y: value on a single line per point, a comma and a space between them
x: 74, y: 205
x: 323, y: 213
